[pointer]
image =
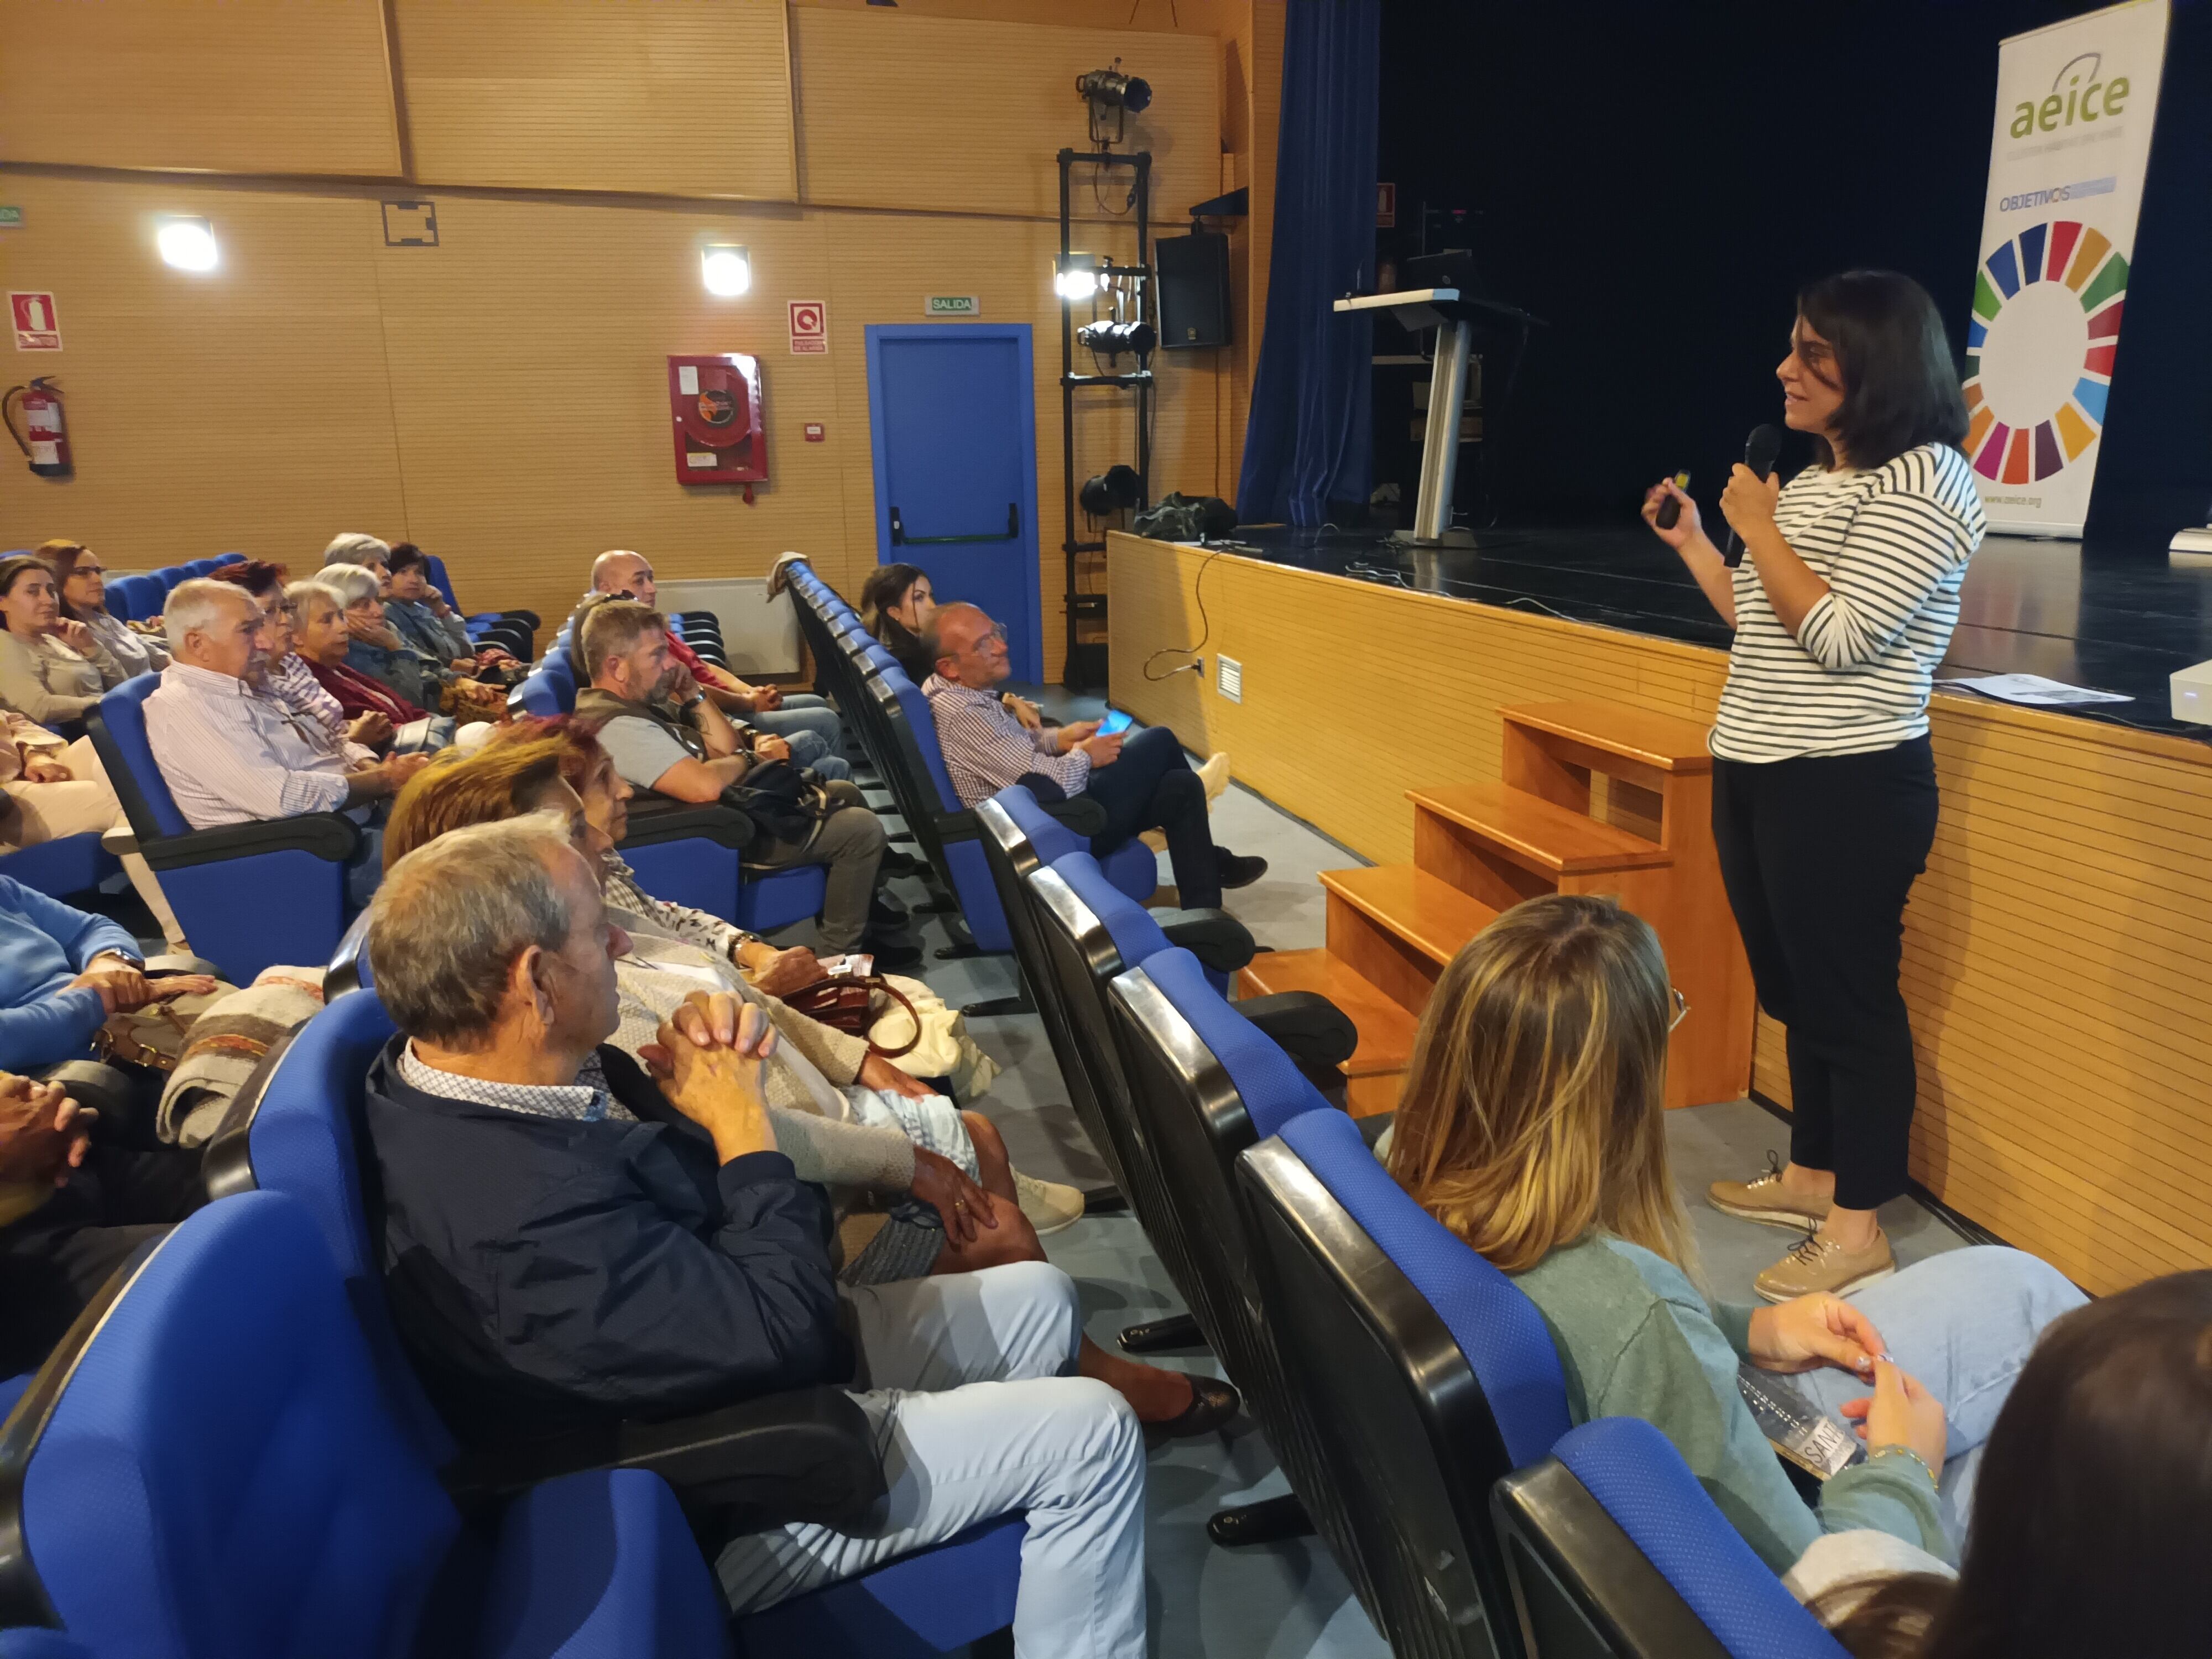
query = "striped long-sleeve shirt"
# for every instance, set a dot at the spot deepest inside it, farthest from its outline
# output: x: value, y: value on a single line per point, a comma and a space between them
x: 231, y: 754
x: 986, y: 748
x: 1891, y: 543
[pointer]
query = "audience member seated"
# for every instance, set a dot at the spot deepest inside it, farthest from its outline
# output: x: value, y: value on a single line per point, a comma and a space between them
x: 63, y: 972
x: 1531, y: 1126
x: 232, y: 752
x: 665, y: 736
x: 288, y: 677
x: 84, y: 599
x: 55, y: 789
x: 807, y: 722
x: 71, y: 1211
x: 896, y: 602
x: 2092, y: 1507
x: 590, y: 771
x: 377, y: 652
x: 430, y: 626
x: 567, y: 1238
x: 1143, y: 783
x: 369, y: 712
x: 52, y: 668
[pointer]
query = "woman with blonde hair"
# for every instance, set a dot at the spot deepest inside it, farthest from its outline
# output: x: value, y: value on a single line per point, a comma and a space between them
x: 1532, y: 1127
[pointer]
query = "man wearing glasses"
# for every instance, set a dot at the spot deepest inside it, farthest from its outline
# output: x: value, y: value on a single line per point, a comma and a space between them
x: 1143, y: 780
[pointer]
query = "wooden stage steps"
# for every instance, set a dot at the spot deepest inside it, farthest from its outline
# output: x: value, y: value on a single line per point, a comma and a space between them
x: 1593, y: 799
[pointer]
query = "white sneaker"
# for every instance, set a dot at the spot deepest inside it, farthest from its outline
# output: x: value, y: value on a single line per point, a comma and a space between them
x: 1050, y: 1207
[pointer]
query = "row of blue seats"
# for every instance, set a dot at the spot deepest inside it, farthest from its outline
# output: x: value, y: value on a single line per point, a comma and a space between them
x: 1411, y: 1393
x: 899, y: 733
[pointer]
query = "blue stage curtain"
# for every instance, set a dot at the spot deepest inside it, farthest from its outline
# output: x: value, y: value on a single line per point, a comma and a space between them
x: 1309, y: 442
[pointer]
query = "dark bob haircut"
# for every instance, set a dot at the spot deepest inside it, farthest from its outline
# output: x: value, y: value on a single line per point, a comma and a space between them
x: 1900, y: 383
x: 405, y: 556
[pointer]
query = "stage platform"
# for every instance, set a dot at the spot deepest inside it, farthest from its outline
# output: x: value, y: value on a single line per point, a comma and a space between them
x: 2108, y: 614
x: 2057, y: 950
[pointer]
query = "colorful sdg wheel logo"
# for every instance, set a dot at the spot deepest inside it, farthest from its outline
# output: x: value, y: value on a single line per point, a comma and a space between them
x: 2039, y: 350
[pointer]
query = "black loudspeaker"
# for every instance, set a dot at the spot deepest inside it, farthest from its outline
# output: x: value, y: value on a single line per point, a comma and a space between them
x: 1194, y: 289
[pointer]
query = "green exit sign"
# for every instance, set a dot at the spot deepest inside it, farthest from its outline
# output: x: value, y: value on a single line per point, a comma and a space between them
x: 952, y: 305
x: 10, y: 217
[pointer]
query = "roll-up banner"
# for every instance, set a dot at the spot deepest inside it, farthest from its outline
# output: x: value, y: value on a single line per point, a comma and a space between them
x: 2076, y: 103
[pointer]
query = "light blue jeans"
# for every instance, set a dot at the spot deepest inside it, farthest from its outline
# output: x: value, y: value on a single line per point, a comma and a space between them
x: 803, y: 712
x: 1962, y: 1322
x: 967, y: 1380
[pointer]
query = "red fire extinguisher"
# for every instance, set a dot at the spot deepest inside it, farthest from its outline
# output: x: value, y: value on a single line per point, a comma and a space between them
x: 45, y: 439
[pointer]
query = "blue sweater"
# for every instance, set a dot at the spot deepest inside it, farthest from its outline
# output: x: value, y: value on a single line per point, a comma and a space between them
x: 44, y: 945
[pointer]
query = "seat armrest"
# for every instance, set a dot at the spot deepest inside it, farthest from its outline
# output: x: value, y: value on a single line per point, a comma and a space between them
x: 953, y: 826
x: 330, y: 835
x: 656, y: 818
x: 808, y: 1455
x: 1216, y: 938
x: 156, y: 966
x: 1309, y: 1028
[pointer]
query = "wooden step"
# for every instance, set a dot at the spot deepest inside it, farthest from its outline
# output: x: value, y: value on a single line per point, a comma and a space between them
x: 1663, y: 743
x: 1426, y: 912
x: 1535, y: 834
x: 1386, y: 1031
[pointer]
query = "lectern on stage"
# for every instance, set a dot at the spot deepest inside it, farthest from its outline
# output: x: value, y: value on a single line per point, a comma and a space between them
x: 1453, y: 313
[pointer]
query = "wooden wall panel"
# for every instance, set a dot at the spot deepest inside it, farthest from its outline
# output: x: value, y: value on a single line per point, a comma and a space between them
x: 246, y: 408
x: 224, y: 86
x: 966, y: 117
x: 529, y: 388
x: 2054, y: 953
x: 674, y: 97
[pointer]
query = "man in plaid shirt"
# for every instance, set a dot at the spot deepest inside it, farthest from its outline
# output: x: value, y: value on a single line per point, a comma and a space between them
x: 1143, y: 783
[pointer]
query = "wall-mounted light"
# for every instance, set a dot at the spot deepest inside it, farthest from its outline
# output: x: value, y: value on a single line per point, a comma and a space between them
x: 1075, y: 275
x: 726, y: 269
x: 187, y: 244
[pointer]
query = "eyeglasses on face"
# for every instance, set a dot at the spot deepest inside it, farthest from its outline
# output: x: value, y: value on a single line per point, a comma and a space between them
x: 998, y: 632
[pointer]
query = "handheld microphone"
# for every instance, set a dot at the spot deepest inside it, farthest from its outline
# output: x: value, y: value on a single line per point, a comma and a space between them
x: 1759, y: 450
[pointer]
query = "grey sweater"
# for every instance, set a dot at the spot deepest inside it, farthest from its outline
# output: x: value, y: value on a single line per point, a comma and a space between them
x: 1636, y: 1339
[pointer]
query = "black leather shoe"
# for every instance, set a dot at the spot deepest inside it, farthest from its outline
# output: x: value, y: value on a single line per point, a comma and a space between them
x: 892, y: 954
x: 1235, y: 872
x: 1212, y: 1403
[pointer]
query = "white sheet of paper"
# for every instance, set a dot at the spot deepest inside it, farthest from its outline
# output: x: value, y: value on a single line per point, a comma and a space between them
x: 2033, y: 689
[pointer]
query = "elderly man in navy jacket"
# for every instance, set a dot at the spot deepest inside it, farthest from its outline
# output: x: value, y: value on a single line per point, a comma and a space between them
x: 567, y: 1238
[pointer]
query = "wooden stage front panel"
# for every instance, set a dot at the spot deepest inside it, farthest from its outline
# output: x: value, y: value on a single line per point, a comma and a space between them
x: 2056, y: 952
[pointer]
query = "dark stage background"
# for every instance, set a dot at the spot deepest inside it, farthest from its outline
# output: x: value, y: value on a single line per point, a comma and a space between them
x: 1657, y: 181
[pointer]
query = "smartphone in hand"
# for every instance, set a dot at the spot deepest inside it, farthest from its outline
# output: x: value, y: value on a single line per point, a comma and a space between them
x: 1115, y: 721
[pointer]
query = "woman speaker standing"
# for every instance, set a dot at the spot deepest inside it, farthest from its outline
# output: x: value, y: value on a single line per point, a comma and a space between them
x: 1823, y: 784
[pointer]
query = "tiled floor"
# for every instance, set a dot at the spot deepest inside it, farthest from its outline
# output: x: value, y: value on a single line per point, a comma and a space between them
x: 1288, y: 1600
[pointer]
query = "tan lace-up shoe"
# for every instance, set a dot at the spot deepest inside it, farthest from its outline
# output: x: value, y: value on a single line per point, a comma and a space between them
x: 1821, y: 1264
x: 1766, y: 1200
x: 1049, y: 1204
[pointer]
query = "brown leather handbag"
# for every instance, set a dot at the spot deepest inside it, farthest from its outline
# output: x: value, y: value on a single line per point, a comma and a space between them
x: 845, y: 1002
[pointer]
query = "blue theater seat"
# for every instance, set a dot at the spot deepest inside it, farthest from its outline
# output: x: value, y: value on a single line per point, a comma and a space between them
x: 303, y: 1134
x: 135, y: 599
x: 71, y: 863
x: 248, y: 896
x: 1132, y: 866
x: 1617, y: 1551
x: 1427, y: 1375
x: 216, y: 1475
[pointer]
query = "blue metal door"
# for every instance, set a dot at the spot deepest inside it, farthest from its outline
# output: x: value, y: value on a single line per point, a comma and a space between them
x: 954, y: 429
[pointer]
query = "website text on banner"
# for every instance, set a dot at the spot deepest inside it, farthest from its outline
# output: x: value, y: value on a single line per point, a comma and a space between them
x: 2076, y: 104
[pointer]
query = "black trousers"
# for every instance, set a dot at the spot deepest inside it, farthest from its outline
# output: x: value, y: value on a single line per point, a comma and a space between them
x: 1819, y: 854
x: 1149, y: 785
x: 54, y: 1261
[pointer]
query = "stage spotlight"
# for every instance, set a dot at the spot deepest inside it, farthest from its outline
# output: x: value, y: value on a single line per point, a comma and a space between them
x: 726, y: 269
x: 1112, y: 339
x: 1108, y: 491
x: 187, y: 244
x: 1075, y: 275
x: 1110, y: 90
